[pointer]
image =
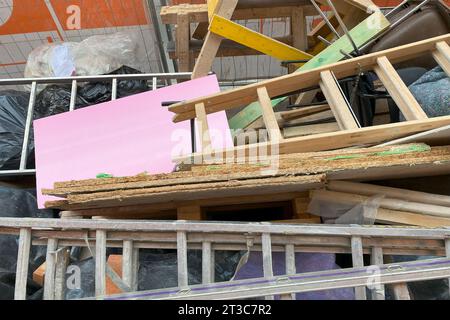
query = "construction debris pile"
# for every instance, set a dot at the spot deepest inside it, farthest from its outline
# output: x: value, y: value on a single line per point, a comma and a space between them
x: 338, y: 165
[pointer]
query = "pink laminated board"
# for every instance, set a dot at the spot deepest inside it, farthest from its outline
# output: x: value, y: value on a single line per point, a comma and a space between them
x: 124, y: 137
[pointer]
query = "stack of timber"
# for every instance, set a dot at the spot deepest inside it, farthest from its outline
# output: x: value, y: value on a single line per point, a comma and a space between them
x: 392, y: 205
x: 219, y: 185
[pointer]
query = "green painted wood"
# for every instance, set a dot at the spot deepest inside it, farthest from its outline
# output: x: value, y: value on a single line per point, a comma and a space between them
x: 361, y: 34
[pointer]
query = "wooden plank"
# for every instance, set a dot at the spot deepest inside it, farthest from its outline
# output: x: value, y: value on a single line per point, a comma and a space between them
x: 435, y: 137
x: 23, y: 260
x: 304, y: 112
x: 269, y: 115
x: 401, y: 291
x: 442, y: 56
x: 396, y: 217
x: 337, y: 101
x: 182, y: 260
x: 183, y: 36
x: 361, y: 34
x: 100, y: 263
x: 358, y: 261
x: 192, y: 212
x: 299, y: 29
x: 212, y: 42
x: 203, y: 127
x: 50, y: 269
x: 257, y: 41
x: 267, y: 257
x: 207, y: 263
x: 308, y: 130
x: 377, y: 260
x: 399, y: 92
x: 342, y: 139
x: 397, y: 193
x: 213, y: 6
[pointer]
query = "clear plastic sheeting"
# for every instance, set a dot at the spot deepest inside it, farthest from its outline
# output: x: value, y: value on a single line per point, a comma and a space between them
x: 101, y: 54
x: 337, y: 212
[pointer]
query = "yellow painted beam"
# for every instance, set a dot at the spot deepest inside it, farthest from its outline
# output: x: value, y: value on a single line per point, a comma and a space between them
x: 212, y: 8
x: 257, y: 41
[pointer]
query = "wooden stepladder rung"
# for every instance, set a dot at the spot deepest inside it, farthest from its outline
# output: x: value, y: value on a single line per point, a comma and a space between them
x: 338, y: 103
x: 398, y: 90
x: 442, y: 56
x: 183, y: 281
x: 50, y: 270
x: 23, y: 260
x: 378, y: 292
x: 100, y: 263
x: 358, y: 262
x: 269, y: 117
x: 267, y: 257
x: 291, y: 268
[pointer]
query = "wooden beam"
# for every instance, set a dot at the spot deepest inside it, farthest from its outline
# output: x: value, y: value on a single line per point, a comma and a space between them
x: 304, y: 112
x: 212, y: 42
x: 193, y: 212
x: 442, y: 56
x: 337, y: 101
x: 378, y: 293
x: 255, y: 40
x: 203, y: 127
x: 50, y: 269
x: 183, y: 276
x: 269, y: 115
x: 100, y: 263
x: 358, y: 262
x: 398, y: 90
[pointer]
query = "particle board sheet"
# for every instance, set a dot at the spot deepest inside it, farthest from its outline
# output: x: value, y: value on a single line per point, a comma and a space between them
x: 124, y: 137
x: 296, y: 172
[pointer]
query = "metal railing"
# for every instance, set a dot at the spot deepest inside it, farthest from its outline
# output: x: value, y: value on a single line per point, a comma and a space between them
x: 155, y: 79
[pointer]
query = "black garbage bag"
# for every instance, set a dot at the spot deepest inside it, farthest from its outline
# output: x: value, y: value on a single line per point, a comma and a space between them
x: 13, y: 115
x: 55, y: 99
x: 157, y: 269
x: 18, y: 203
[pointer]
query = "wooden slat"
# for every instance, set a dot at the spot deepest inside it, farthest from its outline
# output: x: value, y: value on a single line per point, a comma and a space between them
x: 207, y: 263
x: 267, y: 257
x: 447, y: 253
x: 337, y: 101
x: 100, y: 263
x: 129, y: 264
x: 401, y: 291
x: 23, y: 260
x: 182, y: 39
x: 290, y: 266
x: 442, y: 56
x: 212, y: 42
x: 269, y: 115
x: 49, y: 280
x: 358, y: 261
x: 398, y: 90
x: 377, y: 260
x: 182, y: 259
x: 62, y: 261
x: 203, y: 127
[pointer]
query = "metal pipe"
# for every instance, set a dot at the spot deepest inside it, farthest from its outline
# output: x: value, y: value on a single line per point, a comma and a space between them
x: 73, y: 96
x: 26, y: 135
x: 114, y: 89
x: 325, y: 18
x: 343, y: 26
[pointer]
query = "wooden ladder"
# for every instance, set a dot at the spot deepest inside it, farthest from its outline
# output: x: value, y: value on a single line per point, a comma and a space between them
x: 210, y: 237
x: 326, y: 77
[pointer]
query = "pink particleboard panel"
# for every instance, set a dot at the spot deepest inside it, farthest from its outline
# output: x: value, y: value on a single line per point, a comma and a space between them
x: 124, y: 137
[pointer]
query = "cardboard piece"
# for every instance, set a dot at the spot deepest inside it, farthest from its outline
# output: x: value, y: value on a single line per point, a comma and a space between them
x: 124, y: 137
